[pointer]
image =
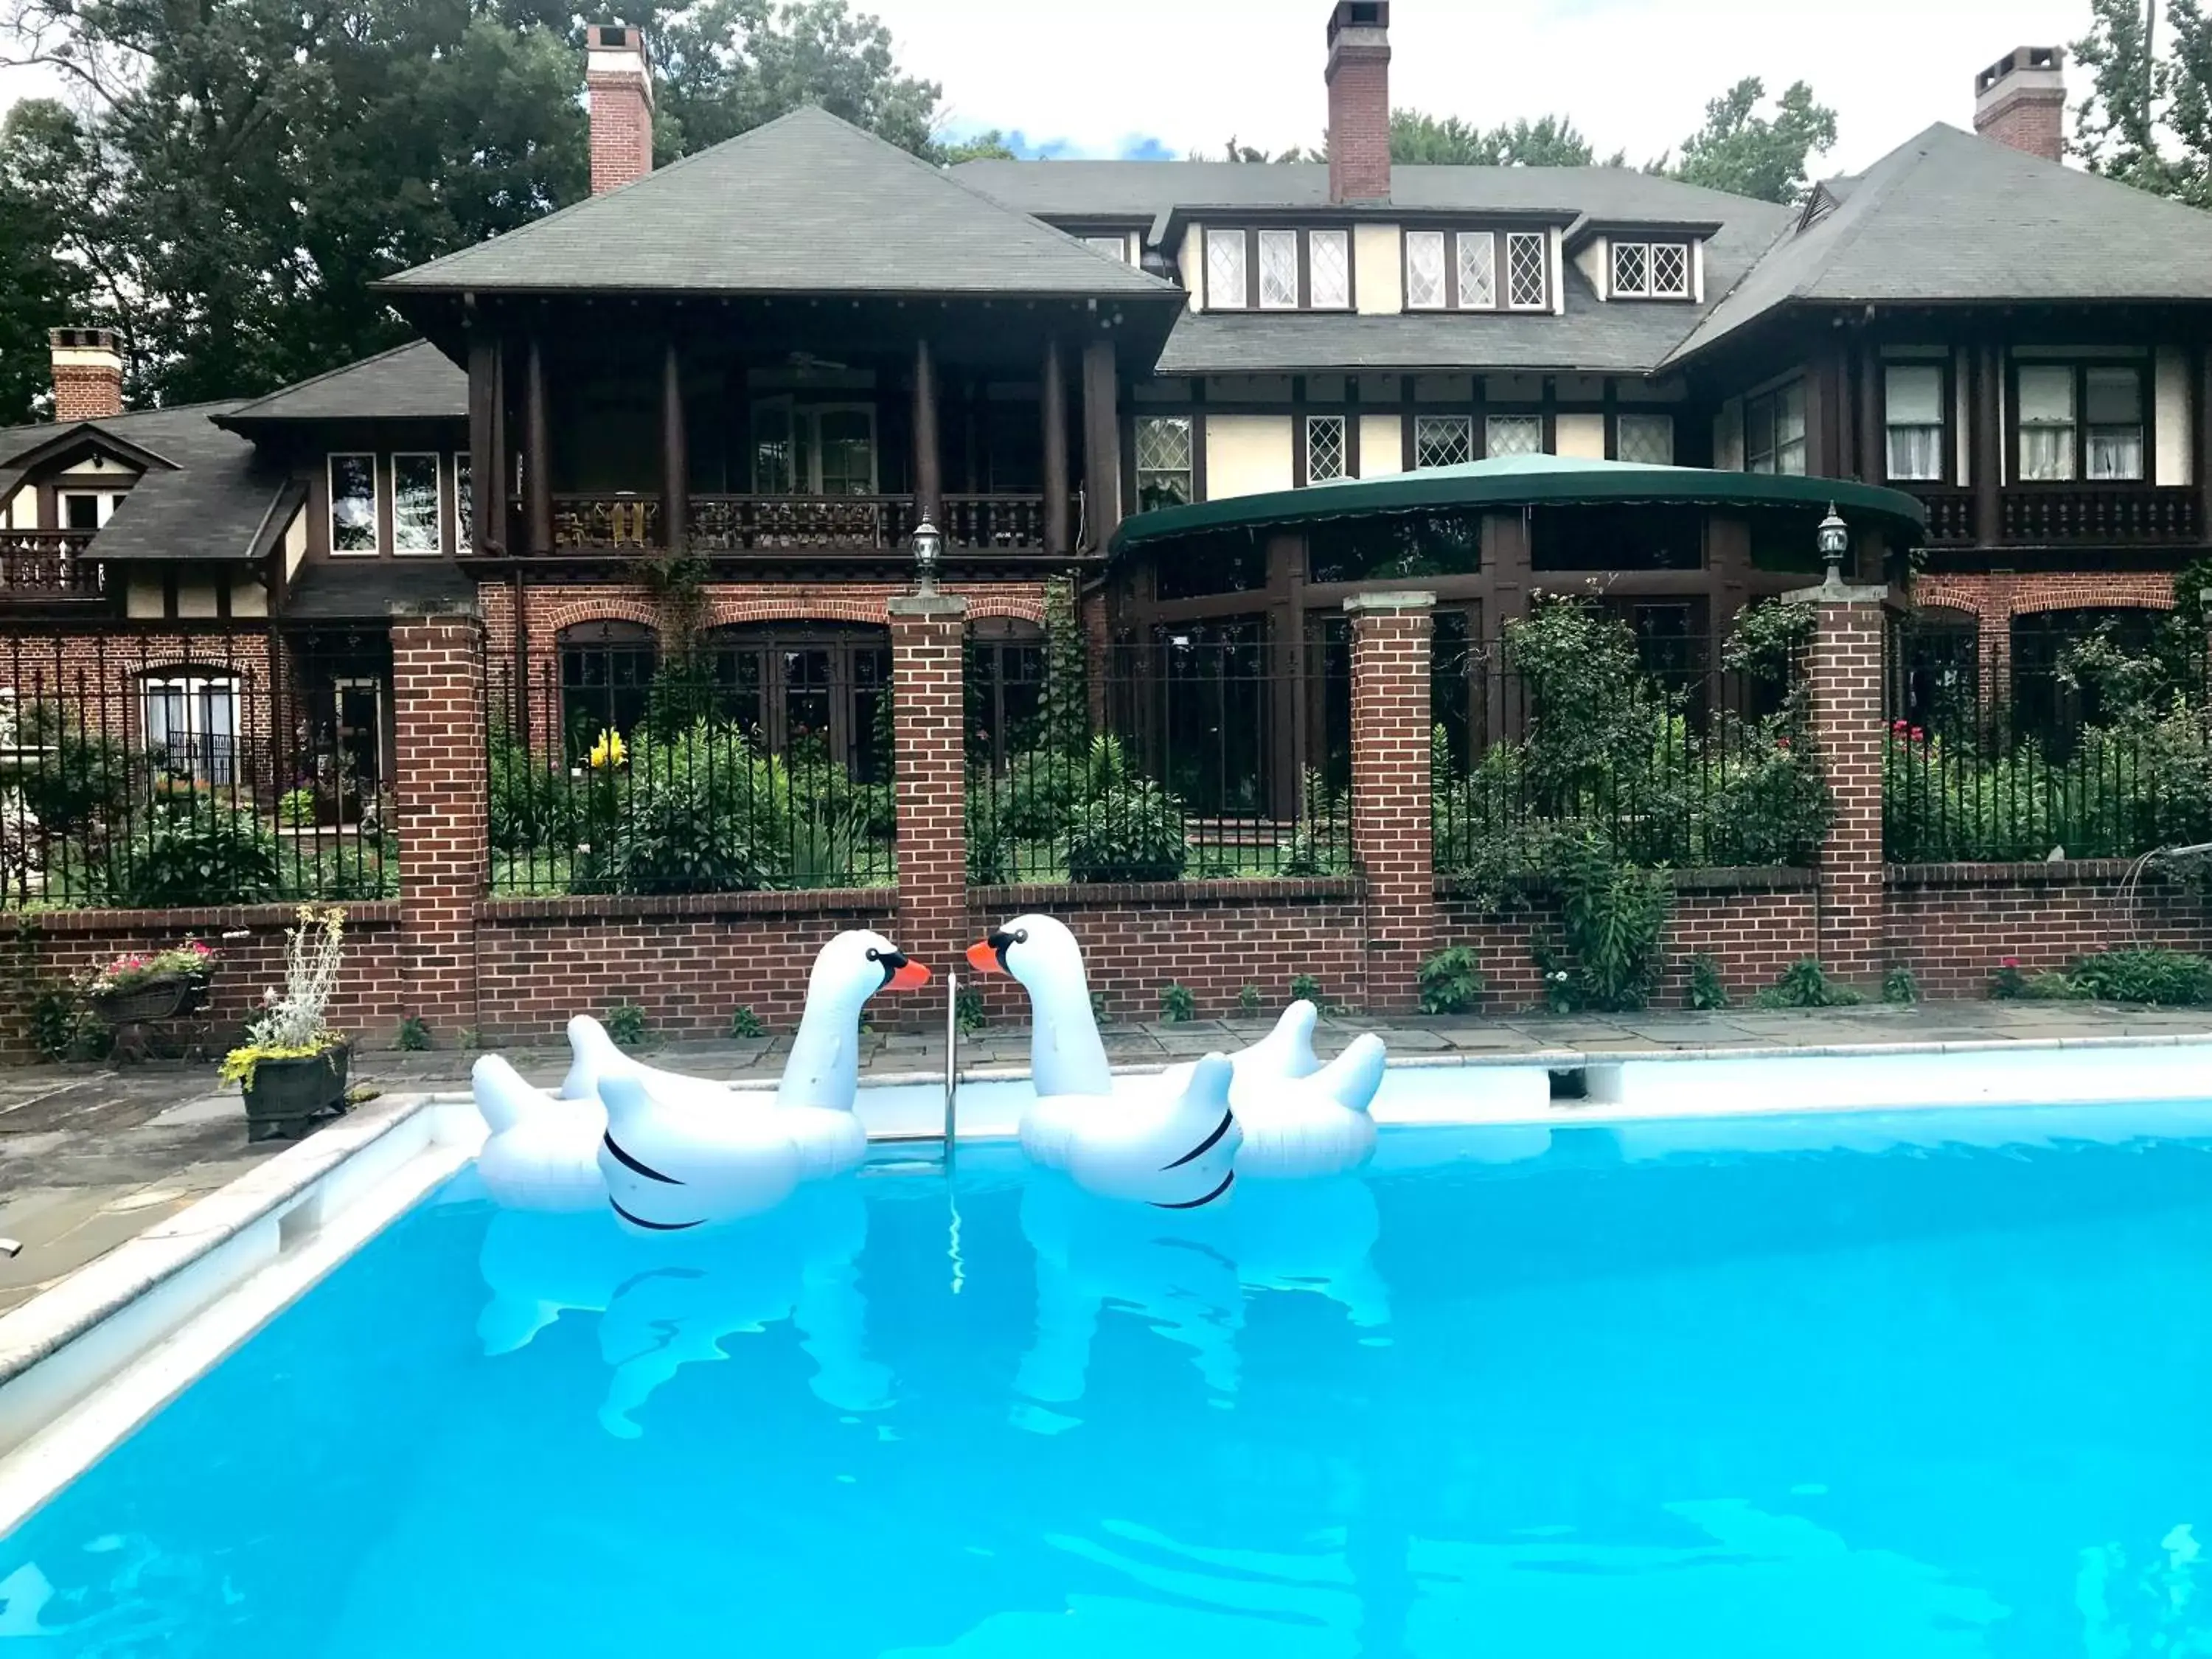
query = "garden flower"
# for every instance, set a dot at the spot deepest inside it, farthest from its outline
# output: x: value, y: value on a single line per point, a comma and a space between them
x: 609, y: 751
x: 1917, y: 735
x: 2010, y: 961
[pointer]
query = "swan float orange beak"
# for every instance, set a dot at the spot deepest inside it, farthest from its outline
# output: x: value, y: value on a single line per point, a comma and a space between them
x: 908, y: 975
x: 983, y: 955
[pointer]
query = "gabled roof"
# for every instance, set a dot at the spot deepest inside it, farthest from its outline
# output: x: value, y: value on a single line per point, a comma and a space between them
x: 805, y: 204
x: 415, y: 381
x: 1948, y: 217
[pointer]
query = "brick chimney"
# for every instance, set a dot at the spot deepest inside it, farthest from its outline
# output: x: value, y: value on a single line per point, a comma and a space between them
x: 1359, y: 101
x: 621, y: 84
x: 2020, y: 100
x: 88, y: 373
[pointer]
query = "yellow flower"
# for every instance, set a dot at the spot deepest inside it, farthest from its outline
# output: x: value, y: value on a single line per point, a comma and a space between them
x: 610, y: 750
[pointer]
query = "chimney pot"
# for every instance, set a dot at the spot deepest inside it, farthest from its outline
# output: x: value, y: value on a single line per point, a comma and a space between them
x: 619, y: 79
x: 2020, y: 100
x: 1358, y: 79
x: 87, y: 366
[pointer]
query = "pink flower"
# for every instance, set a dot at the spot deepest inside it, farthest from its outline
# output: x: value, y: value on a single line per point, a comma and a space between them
x: 1782, y: 743
x: 1897, y: 725
x: 2010, y: 961
x: 1917, y: 735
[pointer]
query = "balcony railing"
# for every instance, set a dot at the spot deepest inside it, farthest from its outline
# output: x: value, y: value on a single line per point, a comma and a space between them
x: 2039, y: 514
x: 39, y: 565
x: 775, y: 524
x: 1950, y: 515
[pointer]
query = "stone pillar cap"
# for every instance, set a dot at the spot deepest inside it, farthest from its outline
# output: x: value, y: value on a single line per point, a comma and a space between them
x: 1410, y: 601
x: 1837, y: 593
x: 929, y: 604
x: 453, y: 610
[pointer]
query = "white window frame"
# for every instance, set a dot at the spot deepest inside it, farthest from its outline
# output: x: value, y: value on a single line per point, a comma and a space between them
x: 1115, y: 247
x: 206, y: 760
x: 1226, y: 236
x: 1466, y: 426
x: 1492, y: 423
x: 1314, y: 302
x: 1424, y: 239
x: 1543, y: 242
x: 104, y: 503
x: 1343, y: 447
x: 465, y: 504
x: 437, y: 505
x: 1463, y: 241
x: 376, y: 548
x: 1649, y: 289
x: 1277, y: 239
x: 1655, y: 419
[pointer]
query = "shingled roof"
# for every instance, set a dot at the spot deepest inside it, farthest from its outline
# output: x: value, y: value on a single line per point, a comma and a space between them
x: 415, y: 381
x: 805, y: 204
x: 1949, y: 216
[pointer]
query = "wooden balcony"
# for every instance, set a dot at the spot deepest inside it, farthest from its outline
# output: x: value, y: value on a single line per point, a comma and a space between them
x: 2067, y: 515
x: 39, y: 567
x: 768, y: 524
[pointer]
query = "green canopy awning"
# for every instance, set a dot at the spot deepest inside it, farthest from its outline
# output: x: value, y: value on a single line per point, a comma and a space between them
x: 1517, y: 481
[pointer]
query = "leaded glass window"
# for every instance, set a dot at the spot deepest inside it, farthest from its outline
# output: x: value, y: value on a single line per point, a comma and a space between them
x: 1425, y: 269
x: 1443, y: 439
x: 1226, y: 287
x: 1165, y: 473
x: 1648, y: 439
x: 1525, y: 261
x: 1329, y: 255
x: 1478, y: 271
x: 1279, y: 270
x: 1325, y: 447
x: 1514, y: 434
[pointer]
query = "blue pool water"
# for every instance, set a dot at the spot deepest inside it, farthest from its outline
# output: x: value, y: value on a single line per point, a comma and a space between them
x: 1874, y: 1384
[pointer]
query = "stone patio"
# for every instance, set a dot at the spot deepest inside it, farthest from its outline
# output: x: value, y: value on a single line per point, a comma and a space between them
x: 89, y: 1157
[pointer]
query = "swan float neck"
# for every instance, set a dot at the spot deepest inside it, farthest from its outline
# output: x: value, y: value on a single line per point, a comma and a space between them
x: 1067, y: 1056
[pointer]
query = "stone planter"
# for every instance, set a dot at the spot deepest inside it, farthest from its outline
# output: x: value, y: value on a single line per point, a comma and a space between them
x: 165, y: 998
x: 287, y: 1096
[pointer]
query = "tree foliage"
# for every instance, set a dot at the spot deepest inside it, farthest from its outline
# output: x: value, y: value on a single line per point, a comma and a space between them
x: 227, y: 178
x: 2147, y: 120
x: 1552, y: 141
x: 1742, y: 151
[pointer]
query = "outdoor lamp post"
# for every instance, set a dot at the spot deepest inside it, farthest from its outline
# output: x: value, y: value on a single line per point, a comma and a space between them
x: 1835, y: 544
x: 928, y: 547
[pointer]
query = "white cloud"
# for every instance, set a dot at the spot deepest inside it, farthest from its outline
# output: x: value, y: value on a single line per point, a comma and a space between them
x: 1633, y: 74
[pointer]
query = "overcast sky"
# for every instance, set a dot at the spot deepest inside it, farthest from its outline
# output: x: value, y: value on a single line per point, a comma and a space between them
x: 1115, y: 77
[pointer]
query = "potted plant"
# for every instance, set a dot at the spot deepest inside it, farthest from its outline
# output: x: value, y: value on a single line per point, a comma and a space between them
x: 159, y: 985
x: 292, y: 1066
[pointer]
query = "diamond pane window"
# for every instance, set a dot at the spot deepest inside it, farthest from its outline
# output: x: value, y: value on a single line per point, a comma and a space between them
x: 1632, y: 268
x: 1325, y: 447
x: 1514, y: 434
x: 1443, y: 439
x: 1165, y: 473
x: 1328, y: 252
x: 1279, y: 270
x: 1478, y: 271
x: 1648, y: 439
x: 1225, y: 287
x: 1524, y: 270
x: 1425, y: 269
x: 353, y: 504
x: 415, y: 515
x: 1670, y: 271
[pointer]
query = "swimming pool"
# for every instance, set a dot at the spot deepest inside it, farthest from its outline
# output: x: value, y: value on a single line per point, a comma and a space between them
x: 1919, y: 1383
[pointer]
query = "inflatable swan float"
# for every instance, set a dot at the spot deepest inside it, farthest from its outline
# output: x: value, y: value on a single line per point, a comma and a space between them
x: 669, y: 1152
x: 1286, y: 1114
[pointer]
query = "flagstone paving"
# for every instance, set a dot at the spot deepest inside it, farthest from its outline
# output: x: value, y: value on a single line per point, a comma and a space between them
x: 90, y: 1157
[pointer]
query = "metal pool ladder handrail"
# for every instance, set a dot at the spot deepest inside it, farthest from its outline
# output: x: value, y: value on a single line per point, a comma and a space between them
x: 951, y: 1061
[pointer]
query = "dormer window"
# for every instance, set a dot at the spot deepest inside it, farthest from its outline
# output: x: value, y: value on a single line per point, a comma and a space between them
x: 1527, y: 261
x: 1277, y: 268
x: 1458, y: 270
x: 1651, y: 270
x: 1225, y: 268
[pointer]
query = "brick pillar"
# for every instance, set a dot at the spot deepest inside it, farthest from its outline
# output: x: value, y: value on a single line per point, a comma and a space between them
x: 444, y: 810
x: 928, y: 634
x: 1847, y: 680
x: 1391, y: 834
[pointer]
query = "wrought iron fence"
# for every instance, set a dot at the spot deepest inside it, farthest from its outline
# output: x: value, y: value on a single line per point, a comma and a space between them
x: 757, y: 763
x: 1669, y: 747
x: 189, y: 767
x: 2081, y: 734
x: 1210, y: 751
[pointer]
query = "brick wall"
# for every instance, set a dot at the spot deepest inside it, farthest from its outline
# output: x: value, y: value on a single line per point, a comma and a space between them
x: 929, y: 634
x: 1359, y: 125
x: 444, y: 810
x: 1846, y: 675
x: 1994, y: 598
x: 2034, y: 122
x: 1953, y: 924
x: 1392, y: 819
x: 689, y: 962
x: 62, y: 944
x: 621, y: 128
x: 84, y: 393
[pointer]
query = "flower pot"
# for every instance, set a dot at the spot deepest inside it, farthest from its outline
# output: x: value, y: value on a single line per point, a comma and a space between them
x: 287, y: 1096
x: 163, y: 998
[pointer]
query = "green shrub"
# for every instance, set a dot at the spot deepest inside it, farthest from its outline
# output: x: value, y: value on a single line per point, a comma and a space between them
x: 72, y: 780
x: 1132, y: 831
x: 968, y: 1012
x: 1248, y: 1000
x: 414, y: 1035
x: 698, y: 812
x: 1898, y: 985
x: 194, y: 849
x: 626, y: 1024
x: 1805, y: 984
x: 1306, y: 988
x: 1708, y: 991
x: 1451, y: 983
x: 1177, y: 1006
x: 745, y: 1023
x: 295, y: 809
x: 1612, y: 915
x: 990, y: 844
x: 535, y: 805
x: 2168, y: 978
x: 2007, y: 984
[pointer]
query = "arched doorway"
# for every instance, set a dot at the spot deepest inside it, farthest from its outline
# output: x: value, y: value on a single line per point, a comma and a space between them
x: 809, y: 685
x: 606, y: 680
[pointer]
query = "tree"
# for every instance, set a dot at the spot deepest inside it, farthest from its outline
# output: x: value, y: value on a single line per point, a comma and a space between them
x: 991, y: 146
x: 43, y: 154
x: 2148, y: 118
x: 1752, y: 154
x: 1417, y: 139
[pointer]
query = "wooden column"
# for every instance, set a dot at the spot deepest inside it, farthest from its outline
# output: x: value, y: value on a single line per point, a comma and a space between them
x: 1101, y: 443
x: 487, y: 448
x: 2200, y: 399
x: 675, y: 488
x: 537, y: 454
x: 1053, y: 403
x: 1987, y: 442
x: 1874, y: 432
x: 928, y: 455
